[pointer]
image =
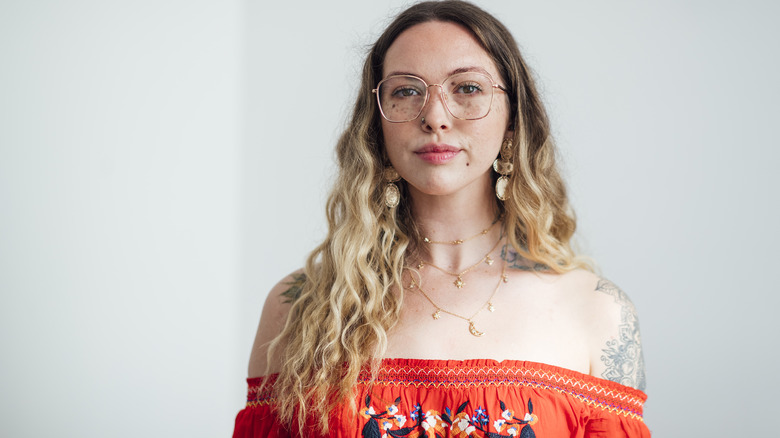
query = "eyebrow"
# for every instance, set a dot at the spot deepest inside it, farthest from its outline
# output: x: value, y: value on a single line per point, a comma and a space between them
x: 456, y: 71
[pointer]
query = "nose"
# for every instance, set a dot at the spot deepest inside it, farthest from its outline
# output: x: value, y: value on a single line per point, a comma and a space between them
x: 435, y: 115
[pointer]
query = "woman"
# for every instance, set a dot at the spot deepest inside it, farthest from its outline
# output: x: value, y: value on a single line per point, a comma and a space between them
x: 446, y: 299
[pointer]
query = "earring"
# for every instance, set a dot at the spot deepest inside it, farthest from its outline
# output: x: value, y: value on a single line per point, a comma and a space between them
x: 503, y: 166
x: 392, y: 194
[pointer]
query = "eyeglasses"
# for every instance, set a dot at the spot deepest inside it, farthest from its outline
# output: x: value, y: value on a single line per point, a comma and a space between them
x: 467, y: 96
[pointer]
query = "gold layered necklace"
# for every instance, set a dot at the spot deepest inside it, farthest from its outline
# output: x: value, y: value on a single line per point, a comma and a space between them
x: 461, y: 241
x: 459, y: 283
x: 488, y: 304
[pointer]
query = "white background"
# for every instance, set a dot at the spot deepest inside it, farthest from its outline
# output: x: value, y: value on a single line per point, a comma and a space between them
x: 163, y: 163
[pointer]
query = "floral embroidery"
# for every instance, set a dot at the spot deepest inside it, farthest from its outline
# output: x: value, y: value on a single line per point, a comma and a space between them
x: 514, y: 426
x: 433, y: 425
x: 439, y: 424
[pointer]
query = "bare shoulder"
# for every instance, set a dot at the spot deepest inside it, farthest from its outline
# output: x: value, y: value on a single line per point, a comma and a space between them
x: 275, y: 310
x: 615, y: 341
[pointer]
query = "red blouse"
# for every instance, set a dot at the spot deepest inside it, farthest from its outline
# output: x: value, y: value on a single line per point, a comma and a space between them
x: 471, y: 398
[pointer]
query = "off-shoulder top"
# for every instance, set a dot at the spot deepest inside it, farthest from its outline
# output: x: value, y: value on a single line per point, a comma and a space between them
x: 469, y: 398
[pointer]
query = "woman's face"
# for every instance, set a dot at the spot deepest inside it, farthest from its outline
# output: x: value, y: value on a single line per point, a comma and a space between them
x: 444, y: 155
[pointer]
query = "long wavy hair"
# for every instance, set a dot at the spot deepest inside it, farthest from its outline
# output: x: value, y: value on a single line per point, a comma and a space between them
x: 353, y: 294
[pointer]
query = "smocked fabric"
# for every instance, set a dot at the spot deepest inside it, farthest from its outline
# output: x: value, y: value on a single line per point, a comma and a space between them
x: 471, y: 398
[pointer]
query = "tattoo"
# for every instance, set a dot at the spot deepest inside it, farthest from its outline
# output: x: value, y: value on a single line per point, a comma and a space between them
x: 296, y: 287
x: 623, y: 356
x: 516, y: 261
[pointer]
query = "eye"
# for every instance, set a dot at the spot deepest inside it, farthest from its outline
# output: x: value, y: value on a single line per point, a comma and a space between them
x: 406, y: 92
x: 468, y: 88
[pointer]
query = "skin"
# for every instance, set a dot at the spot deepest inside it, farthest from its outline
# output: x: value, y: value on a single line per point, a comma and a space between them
x: 574, y: 320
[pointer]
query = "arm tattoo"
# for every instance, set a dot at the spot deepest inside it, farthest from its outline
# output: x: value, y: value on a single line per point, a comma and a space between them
x: 516, y: 261
x: 296, y: 287
x: 623, y: 356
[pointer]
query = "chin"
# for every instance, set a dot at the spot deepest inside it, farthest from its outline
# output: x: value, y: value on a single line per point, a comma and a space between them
x: 437, y: 190
x: 452, y: 186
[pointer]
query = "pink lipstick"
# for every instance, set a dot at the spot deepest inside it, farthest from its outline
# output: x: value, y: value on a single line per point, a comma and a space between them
x: 437, y: 153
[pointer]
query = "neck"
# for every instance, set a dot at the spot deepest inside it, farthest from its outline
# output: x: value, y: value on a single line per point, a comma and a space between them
x: 445, y: 218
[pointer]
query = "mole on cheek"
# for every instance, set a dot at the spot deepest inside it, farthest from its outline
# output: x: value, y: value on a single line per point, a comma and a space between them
x: 467, y: 163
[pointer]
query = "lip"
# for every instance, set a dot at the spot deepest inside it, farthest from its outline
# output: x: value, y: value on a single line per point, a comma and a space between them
x: 437, y: 153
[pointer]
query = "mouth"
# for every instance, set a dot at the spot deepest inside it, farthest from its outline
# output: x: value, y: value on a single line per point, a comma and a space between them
x: 437, y: 153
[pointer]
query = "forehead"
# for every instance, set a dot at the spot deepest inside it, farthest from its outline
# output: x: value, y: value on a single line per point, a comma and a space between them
x: 434, y: 50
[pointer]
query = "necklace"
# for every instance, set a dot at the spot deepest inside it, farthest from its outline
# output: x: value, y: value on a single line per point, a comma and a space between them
x: 459, y: 283
x: 460, y: 241
x: 488, y: 304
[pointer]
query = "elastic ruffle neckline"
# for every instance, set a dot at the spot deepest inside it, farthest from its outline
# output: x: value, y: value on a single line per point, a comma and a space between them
x: 474, y: 372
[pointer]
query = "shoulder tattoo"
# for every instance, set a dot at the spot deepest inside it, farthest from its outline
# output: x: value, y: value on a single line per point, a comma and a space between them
x: 295, y: 289
x: 516, y: 261
x: 623, y: 354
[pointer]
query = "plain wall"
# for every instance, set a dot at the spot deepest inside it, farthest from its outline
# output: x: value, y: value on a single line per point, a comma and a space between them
x: 119, y: 188
x: 163, y: 164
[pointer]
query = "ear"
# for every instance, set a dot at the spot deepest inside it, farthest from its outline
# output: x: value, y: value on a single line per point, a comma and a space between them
x: 510, y: 127
x: 510, y: 133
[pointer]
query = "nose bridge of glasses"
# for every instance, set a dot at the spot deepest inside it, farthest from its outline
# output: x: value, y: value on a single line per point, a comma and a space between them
x: 442, y: 97
x: 442, y: 92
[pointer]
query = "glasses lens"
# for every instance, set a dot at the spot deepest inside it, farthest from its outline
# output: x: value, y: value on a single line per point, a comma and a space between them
x: 469, y: 95
x: 401, y: 98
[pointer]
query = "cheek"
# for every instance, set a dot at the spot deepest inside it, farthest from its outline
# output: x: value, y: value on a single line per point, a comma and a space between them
x: 393, y: 135
x: 504, y: 115
x: 388, y: 132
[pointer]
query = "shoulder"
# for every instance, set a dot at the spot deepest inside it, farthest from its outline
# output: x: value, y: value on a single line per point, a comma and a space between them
x: 615, y: 341
x: 272, y: 321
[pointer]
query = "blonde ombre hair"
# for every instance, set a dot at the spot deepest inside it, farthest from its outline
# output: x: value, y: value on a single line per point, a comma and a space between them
x: 353, y: 294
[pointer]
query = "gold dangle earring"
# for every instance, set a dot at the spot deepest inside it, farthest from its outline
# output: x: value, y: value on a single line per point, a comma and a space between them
x: 503, y: 167
x: 392, y: 194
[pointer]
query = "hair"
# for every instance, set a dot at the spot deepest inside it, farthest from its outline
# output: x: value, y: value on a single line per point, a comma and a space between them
x: 353, y: 293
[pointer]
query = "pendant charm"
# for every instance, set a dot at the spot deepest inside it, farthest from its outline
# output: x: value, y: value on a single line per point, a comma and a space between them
x: 491, y: 308
x: 392, y: 195
x: 504, y: 278
x: 459, y: 283
x: 473, y: 330
x: 501, y: 187
x: 488, y: 260
x: 436, y: 314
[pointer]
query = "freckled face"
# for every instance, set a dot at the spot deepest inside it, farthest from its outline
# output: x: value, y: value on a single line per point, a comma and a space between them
x: 443, y: 155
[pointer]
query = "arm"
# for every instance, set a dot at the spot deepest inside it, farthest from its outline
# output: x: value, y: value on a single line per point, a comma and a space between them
x: 257, y: 418
x: 616, y: 350
x: 277, y: 306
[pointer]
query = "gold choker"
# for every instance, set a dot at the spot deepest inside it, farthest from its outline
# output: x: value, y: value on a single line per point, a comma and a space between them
x: 460, y: 241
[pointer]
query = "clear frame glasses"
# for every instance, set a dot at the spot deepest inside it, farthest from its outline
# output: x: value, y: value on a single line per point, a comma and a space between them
x: 467, y: 96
